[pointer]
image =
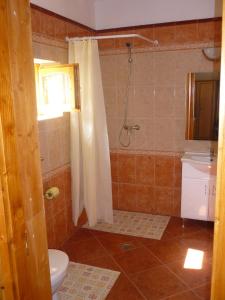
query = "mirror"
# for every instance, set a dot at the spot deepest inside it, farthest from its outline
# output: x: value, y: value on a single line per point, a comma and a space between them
x: 202, y: 107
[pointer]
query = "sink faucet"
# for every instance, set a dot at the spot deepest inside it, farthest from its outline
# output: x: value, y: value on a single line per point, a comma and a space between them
x: 212, y: 151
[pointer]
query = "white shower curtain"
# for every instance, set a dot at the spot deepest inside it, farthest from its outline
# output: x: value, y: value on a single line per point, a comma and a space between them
x: 90, y: 158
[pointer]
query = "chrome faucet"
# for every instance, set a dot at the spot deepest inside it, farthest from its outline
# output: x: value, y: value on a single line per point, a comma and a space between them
x: 134, y: 127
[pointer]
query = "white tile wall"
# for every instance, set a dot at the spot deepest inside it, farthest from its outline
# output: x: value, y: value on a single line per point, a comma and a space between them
x: 156, y: 99
x: 54, y: 138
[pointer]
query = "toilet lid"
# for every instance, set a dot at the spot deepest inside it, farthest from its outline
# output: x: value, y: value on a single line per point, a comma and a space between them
x: 58, y: 262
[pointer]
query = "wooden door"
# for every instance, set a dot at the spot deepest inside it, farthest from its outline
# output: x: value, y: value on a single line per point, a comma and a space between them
x: 24, y: 269
x: 205, y: 109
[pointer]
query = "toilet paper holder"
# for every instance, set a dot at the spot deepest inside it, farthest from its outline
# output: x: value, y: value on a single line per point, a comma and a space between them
x: 52, y: 193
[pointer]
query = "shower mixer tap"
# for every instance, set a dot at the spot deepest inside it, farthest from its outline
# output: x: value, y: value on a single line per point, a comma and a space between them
x: 132, y: 127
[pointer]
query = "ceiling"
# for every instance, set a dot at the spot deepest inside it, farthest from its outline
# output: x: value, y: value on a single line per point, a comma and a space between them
x: 106, y: 14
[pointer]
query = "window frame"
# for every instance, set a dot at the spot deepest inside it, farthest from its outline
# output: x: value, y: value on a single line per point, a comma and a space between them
x: 44, y: 69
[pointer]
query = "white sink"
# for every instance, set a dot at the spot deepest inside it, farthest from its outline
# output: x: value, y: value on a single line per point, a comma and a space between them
x: 200, y: 158
x: 199, y: 165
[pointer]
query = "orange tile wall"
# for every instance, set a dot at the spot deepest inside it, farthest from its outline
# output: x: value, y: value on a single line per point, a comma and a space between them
x: 148, y: 182
x: 54, y: 142
x: 198, y: 31
x: 168, y: 35
x: 54, y: 27
x: 59, y: 210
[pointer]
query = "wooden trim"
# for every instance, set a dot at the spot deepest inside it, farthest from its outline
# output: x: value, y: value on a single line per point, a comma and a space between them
x: 54, y: 67
x: 99, y: 31
x: 77, y: 87
x: 6, y: 277
x: 218, y: 274
x: 72, y: 70
x: 190, y: 103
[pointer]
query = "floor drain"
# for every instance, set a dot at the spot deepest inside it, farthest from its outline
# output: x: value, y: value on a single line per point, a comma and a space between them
x: 126, y: 246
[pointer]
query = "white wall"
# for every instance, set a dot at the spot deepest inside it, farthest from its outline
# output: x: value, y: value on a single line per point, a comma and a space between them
x: 122, y: 13
x: 81, y: 11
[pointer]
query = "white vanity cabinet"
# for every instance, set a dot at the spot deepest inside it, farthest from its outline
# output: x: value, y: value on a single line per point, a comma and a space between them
x: 198, y: 187
x: 212, y: 195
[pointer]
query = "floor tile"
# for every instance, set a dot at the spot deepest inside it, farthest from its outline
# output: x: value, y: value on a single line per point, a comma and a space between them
x: 123, y: 289
x: 204, y: 291
x: 105, y: 262
x: 113, y: 243
x: 166, y: 251
x: 141, y: 261
x: 81, y: 234
x: 190, y: 276
x: 168, y: 236
x: 179, y: 227
x: 136, y: 260
x: 184, y: 296
x: 201, y: 240
x: 158, y: 283
x: 84, y: 250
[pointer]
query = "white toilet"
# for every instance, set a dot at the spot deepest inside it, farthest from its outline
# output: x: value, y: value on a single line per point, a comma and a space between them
x: 58, y: 262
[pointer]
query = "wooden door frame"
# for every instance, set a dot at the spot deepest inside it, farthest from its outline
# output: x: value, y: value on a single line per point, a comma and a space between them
x: 23, y: 263
x: 218, y: 273
x: 23, y: 243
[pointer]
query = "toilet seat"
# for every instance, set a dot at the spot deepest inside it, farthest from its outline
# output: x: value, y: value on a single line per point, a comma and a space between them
x: 58, y: 262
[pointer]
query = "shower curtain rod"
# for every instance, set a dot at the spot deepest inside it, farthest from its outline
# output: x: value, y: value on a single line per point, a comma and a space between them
x: 104, y: 37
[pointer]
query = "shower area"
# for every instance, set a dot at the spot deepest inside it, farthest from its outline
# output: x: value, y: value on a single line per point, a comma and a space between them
x: 144, y: 91
x: 91, y: 172
x: 126, y: 129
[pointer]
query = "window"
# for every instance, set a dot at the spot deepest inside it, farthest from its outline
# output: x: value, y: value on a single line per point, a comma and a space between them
x: 57, y: 89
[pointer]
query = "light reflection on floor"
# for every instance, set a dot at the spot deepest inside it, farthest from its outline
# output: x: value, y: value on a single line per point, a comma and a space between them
x: 194, y: 259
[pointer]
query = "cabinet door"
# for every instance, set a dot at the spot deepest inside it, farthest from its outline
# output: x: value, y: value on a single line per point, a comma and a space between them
x: 194, y: 200
x: 212, y: 198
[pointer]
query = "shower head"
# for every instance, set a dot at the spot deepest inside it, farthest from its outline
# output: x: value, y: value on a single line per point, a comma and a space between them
x: 129, y: 45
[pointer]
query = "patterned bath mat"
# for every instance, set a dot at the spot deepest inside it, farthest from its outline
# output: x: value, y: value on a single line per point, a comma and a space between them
x: 85, y: 282
x: 135, y: 224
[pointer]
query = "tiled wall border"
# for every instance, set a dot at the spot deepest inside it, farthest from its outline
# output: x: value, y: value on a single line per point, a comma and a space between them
x: 145, y: 152
x: 161, y: 48
x: 55, y: 172
x: 59, y: 43
x: 49, y: 41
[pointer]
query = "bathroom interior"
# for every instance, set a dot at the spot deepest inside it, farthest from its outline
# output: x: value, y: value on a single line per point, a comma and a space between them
x: 153, y: 155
